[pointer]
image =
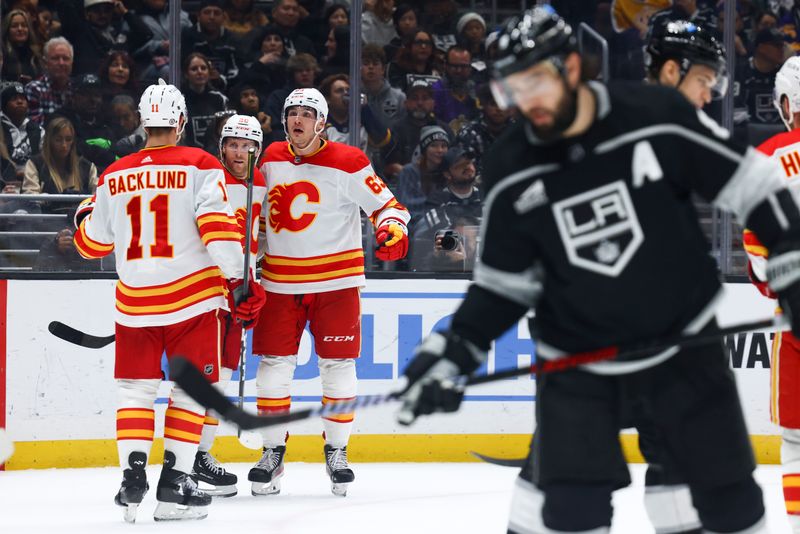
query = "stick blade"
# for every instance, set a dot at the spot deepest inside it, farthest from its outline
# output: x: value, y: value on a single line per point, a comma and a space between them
x: 503, y: 462
x: 76, y: 337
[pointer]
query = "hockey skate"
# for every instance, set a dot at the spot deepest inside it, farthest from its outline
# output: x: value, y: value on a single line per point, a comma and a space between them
x: 134, y: 486
x: 337, y: 468
x: 209, y: 471
x: 266, y: 474
x: 178, y: 495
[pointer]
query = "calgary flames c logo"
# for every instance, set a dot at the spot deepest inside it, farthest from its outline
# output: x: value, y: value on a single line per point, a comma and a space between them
x: 281, y: 198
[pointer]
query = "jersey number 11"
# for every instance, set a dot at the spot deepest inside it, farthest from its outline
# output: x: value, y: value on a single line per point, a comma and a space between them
x: 161, y: 248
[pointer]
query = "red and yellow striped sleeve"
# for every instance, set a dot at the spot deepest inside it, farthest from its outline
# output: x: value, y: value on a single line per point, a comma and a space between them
x: 392, y: 210
x: 218, y: 227
x: 171, y: 297
x: 88, y: 247
x: 752, y: 245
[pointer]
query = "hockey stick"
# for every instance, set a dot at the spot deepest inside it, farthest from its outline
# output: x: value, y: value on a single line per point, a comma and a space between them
x: 248, y: 235
x: 72, y: 335
x: 196, y: 386
x: 503, y: 462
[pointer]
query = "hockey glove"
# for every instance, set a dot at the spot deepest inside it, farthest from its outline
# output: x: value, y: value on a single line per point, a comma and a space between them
x: 436, y: 377
x: 85, y: 208
x: 393, y: 241
x: 783, y: 275
x: 245, y: 303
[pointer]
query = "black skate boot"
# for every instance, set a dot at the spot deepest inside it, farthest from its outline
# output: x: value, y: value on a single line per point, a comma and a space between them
x: 134, y: 485
x: 266, y: 474
x: 209, y: 471
x: 337, y: 468
x: 177, y: 494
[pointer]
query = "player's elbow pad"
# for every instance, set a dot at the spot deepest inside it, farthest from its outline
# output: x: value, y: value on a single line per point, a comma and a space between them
x: 775, y: 219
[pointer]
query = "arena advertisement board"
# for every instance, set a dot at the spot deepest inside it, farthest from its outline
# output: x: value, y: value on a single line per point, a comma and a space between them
x: 60, y: 399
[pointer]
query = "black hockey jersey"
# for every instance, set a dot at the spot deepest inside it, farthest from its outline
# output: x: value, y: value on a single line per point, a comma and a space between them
x: 598, y: 232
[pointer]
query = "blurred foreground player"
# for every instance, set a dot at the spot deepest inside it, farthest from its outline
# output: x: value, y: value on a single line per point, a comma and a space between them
x: 239, y: 134
x: 578, y: 194
x: 313, y: 270
x: 785, y: 378
x: 164, y: 210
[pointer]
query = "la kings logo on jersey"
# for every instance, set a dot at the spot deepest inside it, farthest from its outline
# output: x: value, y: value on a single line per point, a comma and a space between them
x: 599, y: 228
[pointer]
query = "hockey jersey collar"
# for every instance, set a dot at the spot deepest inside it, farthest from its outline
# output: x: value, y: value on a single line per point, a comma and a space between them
x: 603, y: 109
x: 298, y: 159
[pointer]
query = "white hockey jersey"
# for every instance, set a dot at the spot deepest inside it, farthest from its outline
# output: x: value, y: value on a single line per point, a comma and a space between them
x: 237, y: 196
x: 164, y: 211
x: 313, y: 225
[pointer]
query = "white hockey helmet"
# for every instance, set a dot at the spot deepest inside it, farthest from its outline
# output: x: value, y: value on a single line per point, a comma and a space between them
x: 787, y: 82
x: 243, y: 127
x: 163, y: 104
x: 308, y: 97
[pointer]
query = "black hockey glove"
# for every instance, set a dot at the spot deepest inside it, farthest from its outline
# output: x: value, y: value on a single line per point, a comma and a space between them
x: 783, y: 275
x: 436, y: 377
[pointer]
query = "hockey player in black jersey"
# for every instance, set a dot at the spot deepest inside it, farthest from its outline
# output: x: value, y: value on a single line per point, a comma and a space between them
x: 589, y: 221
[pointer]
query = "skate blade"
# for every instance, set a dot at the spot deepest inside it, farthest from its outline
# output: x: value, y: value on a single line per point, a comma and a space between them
x: 218, y: 491
x: 129, y: 515
x: 169, y: 511
x: 259, y: 489
x: 340, y: 489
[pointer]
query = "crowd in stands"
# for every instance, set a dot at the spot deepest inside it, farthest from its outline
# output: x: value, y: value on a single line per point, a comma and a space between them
x: 73, y: 70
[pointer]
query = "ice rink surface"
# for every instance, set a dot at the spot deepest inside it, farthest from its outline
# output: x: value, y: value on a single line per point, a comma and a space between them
x: 386, y: 498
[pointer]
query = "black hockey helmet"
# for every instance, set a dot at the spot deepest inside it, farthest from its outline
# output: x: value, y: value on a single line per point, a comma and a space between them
x: 537, y: 35
x: 686, y: 43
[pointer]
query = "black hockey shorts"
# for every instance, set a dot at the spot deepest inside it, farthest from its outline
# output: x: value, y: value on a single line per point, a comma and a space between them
x: 694, y: 406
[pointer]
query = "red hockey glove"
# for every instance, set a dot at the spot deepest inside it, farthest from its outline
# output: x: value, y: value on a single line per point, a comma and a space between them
x: 84, y: 210
x: 245, y: 304
x: 393, y: 241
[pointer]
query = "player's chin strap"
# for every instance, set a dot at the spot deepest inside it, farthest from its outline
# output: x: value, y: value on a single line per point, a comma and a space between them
x: 319, y: 127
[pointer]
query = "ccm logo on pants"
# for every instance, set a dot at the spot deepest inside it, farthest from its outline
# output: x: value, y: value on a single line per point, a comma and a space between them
x: 338, y: 338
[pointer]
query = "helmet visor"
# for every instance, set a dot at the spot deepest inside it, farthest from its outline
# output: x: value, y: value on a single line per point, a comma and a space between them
x: 522, y: 89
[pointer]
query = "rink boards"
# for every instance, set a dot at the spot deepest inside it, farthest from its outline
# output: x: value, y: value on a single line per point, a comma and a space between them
x: 58, y: 401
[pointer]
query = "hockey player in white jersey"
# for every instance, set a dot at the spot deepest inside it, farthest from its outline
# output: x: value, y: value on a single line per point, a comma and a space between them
x: 312, y: 271
x: 179, y: 260
x: 239, y: 134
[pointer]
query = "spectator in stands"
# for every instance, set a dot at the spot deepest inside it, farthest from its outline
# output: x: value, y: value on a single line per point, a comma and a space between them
x: 754, y: 83
x: 406, y: 21
x: 703, y: 16
x: 424, y: 174
x: 301, y: 69
x: 242, y: 16
x: 59, y: 169
x: 51, y: 91
x: 23, y: 54
x: 457, y: 205
x: 788, y: 23
x: 23, y: 137
x: 439, y: 18
x: 95, y: 27
x: 373, y: 130
x: 414, y: 59
x: 334, y: 15
x: 248, y: 101
x: 152, y: 58
x: 44, y: 24
x: 266, y: 68
x: 286, y: 15
x: 202, y: 102
x: 477, y: 136
x: 93, y: 133
x: 337, y: 56
x: 741, y: 37
x: 471, y: 35
x: 386, y: 102
x: 118, y: 77
x: 59, y: 254
x: 130, y: 135
x: 377, y: 26
x: 11, y: 184
x: 406, y: 130
x: 219, y: 45
x: 215, y: 131
x: 454, y: 94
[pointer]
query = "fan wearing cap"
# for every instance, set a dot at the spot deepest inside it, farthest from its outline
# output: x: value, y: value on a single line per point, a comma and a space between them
x: 478, y: 135
x: 602, y: 278
x: 423, y: 175
x: 95, y: 27
x: 756, y: 79
x: 785, y: 363
x: 419, y: 105
x: 210, y: 37
x: 23, y: 137
x: 165, y: 212
x: 312, y: 271
x: 471, y: 34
